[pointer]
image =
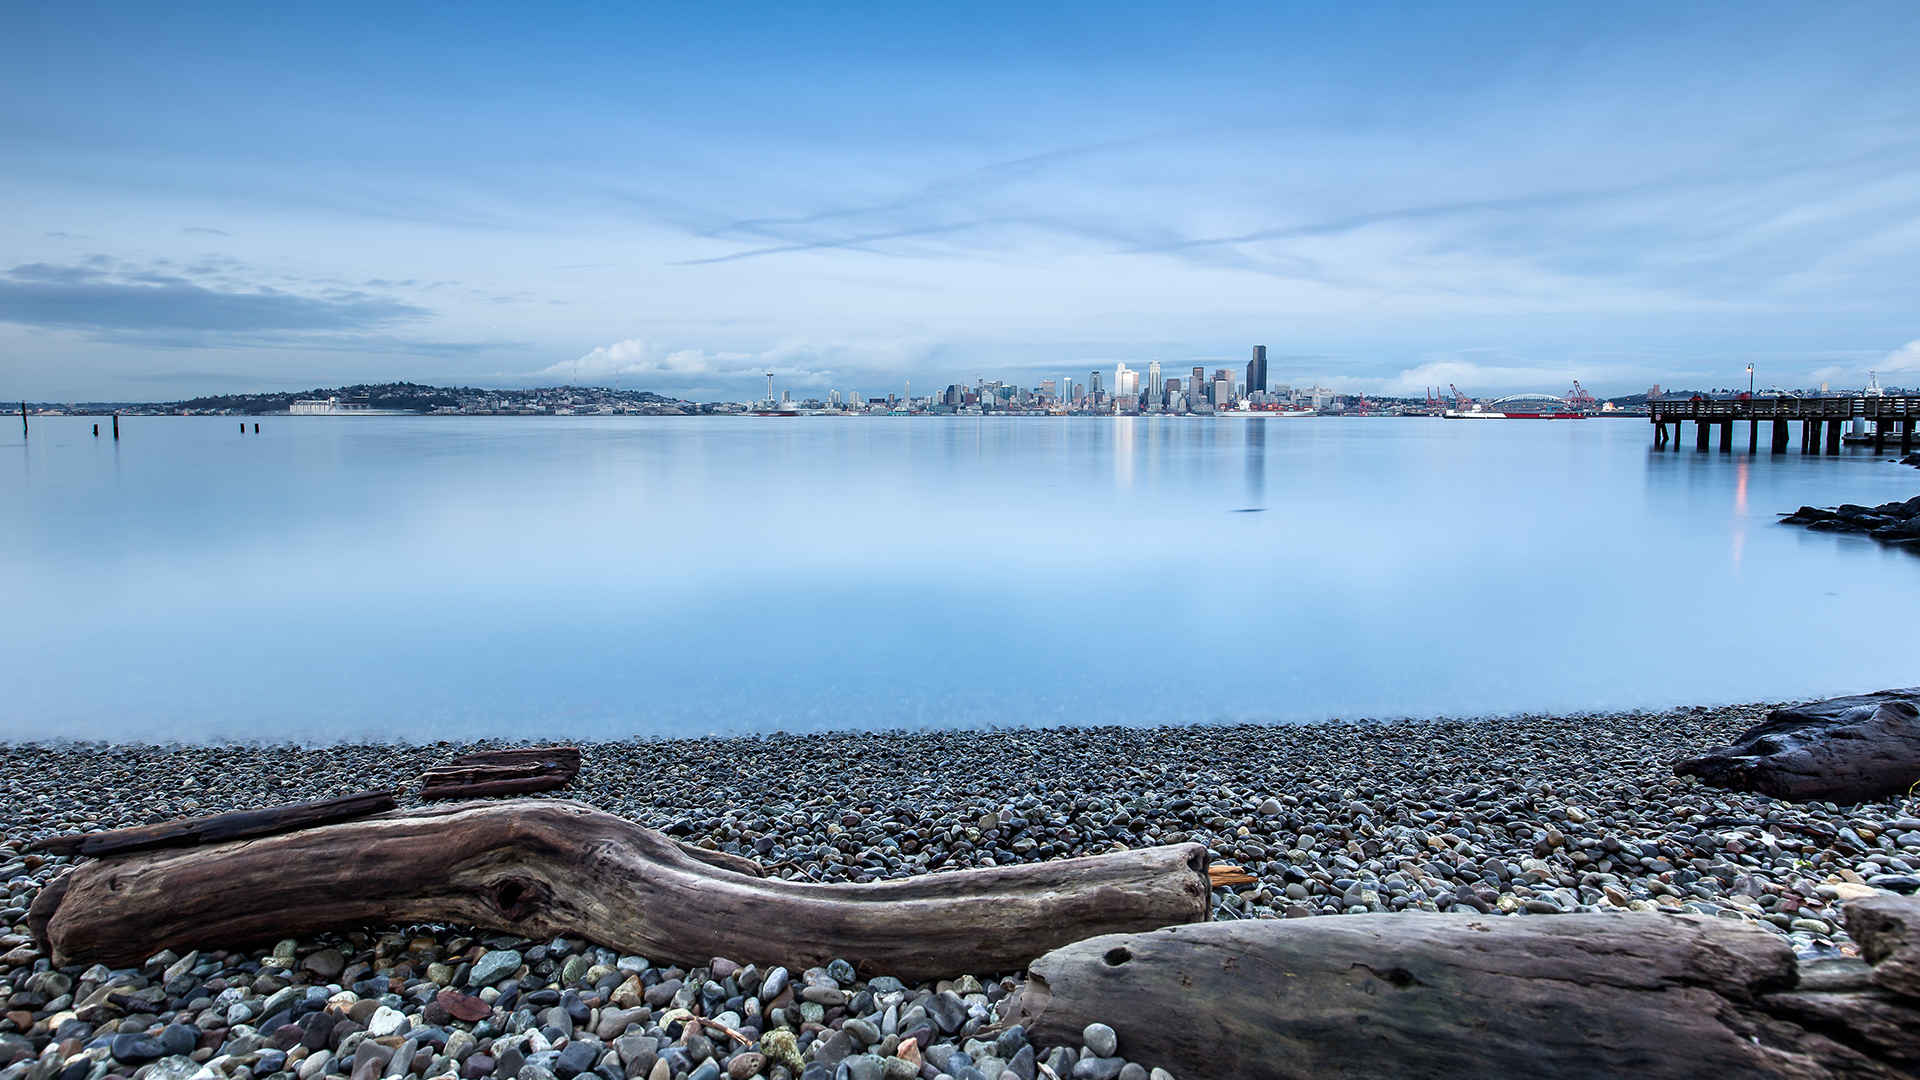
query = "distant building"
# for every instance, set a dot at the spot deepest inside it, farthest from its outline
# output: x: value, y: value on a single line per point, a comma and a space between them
x: 1222, y: 390
x: 1155, y: 392
x: 1257, y: 371
x: 1093, y: 386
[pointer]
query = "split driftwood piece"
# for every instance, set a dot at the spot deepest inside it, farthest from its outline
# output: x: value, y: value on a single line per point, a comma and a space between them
x: 1430, y: 995
x: 519, y: 771
x: 472, y: 781
x: 217, y: 828
x: 566, y: 756
x: 1847, y: 750
x: 543, y: 868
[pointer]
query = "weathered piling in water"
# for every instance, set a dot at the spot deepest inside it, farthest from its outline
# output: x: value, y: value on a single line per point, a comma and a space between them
x: 116, y: 427
x: 23, y: 419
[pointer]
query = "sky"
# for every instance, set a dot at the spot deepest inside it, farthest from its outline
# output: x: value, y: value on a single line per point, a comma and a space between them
x: 678, y: 197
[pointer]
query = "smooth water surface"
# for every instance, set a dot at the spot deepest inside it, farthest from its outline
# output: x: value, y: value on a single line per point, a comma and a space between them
x: 425, y: 578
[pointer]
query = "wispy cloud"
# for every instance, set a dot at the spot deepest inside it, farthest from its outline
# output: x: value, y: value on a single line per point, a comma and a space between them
x: 203, y: 230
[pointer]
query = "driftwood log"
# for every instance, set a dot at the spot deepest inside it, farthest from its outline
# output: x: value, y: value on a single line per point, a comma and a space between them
x: 1429, y: 995
x: 541, y: 868
x: 560, y: 756
x: 520, y: 771
x: 217, y: 828
x: 1846, y: 750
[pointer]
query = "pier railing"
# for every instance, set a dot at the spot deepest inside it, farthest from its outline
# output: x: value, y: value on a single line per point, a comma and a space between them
x: 1857, y: 406
x: 1818, y: 416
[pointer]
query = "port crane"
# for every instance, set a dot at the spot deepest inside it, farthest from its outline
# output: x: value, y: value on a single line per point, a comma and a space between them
x: 1459, y: 399
x: 1579, y: 400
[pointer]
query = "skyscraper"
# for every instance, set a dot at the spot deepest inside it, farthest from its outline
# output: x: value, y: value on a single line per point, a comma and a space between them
x: 1197, y: 386
x: 1257, y: 371
x: 1154, y: 385
x: 1093, y: 384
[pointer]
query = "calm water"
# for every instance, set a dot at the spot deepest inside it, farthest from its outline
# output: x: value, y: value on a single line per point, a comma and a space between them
x: 447, y: 577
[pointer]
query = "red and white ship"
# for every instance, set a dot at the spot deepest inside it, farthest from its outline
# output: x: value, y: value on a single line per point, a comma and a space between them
x: 1523, y: 407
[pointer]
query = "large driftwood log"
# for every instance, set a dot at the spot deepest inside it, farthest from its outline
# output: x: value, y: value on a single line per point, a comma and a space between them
x: 1848, y: 750
x: 217, y: 828
x: 547, y: 867
x: 1428, y: 995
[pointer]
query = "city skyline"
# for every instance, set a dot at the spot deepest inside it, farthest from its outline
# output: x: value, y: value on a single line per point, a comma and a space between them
x: 1498, y: 195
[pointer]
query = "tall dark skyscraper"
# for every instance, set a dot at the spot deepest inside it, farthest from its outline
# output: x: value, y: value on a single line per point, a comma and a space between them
x: 1257, y: 371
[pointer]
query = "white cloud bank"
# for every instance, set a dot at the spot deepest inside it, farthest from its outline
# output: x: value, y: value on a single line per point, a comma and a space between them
x: 807, y: 363
x: 1906, y: 358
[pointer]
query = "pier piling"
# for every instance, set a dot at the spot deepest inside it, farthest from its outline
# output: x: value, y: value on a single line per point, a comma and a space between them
x: 1702, y: 433
x: 1726, y: 436
x: 116, y: 427
x: 1906, y: 436
x: 1753, y: 434
x: 23, y: 419
x: 1834, y: 429
x: 1782, y: 434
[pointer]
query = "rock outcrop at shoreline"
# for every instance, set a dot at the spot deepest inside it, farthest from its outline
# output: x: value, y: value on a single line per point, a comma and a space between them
x: 1532, y: 815
x: 1847, y: 750
x: 1895, y: 523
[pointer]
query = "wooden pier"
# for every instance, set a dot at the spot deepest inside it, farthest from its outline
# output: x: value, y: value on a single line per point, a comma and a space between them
x: 1822, y: 421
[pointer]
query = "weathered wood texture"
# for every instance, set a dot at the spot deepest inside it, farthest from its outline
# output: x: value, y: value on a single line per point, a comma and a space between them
x: 519, y: 771
x: 544, y: 867
x: 217, y: 828
x: 1847, y: 750
x: 1887, y: 929
x: 1429, y: 995
x: 472, y: 781
x: 567, y: 756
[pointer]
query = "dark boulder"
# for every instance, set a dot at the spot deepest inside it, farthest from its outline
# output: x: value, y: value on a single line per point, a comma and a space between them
x: 1844, y: 750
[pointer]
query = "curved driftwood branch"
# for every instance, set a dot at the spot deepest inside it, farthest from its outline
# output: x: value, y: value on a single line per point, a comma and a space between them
x: 545, y: 867
x: 1427, y: 995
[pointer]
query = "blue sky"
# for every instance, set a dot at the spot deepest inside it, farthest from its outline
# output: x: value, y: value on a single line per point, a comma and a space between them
x: 1501, y: 196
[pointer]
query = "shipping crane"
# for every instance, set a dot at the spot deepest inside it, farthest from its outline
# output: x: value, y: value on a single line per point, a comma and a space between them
x: 1459, y: 399
x: 1579, y: 400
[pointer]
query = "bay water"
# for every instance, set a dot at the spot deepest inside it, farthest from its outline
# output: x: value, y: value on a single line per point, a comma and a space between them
x: 423, y: 578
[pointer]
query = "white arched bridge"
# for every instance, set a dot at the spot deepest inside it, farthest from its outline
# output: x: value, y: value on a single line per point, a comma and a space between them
x: 1529, y: 399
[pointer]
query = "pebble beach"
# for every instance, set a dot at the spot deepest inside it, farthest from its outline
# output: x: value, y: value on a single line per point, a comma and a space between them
x: 1529, y: 816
